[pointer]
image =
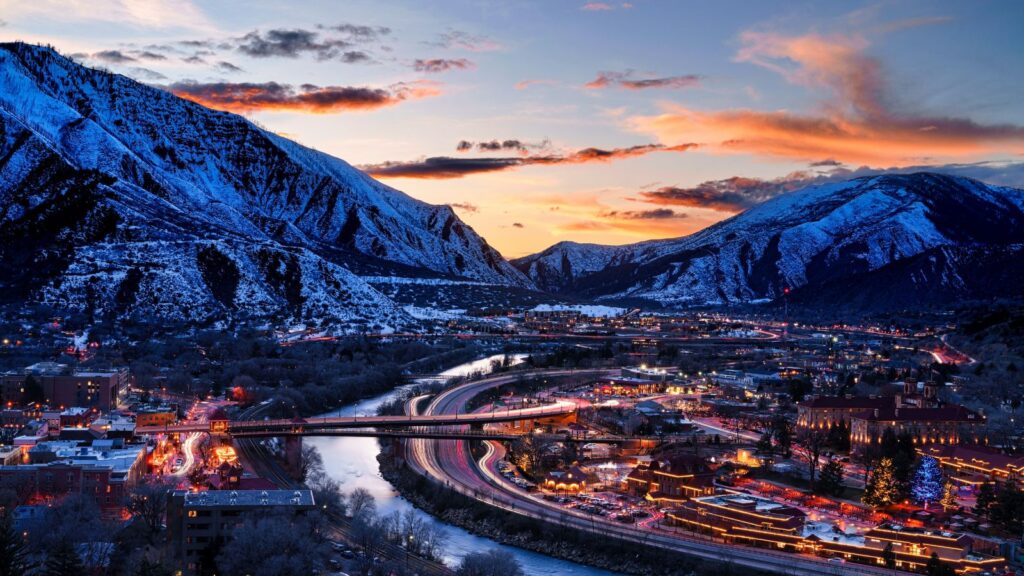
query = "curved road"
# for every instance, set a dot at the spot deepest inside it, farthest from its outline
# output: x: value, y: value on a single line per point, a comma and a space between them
x: 450, y: 462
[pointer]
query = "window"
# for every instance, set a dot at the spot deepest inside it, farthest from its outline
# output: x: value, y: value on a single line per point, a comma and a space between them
x: 191, y: 513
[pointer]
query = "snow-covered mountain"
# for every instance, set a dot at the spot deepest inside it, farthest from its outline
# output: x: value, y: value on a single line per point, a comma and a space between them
x: 117, y: 196
x: 913, y: 233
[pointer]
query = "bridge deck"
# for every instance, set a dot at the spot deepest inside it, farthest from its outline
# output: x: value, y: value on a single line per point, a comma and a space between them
x: 309, y: 425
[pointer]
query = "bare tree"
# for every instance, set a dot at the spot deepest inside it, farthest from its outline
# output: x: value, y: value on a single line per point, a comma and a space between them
x: 148, y: 502
x: 491, y: 563
x: 275, y: 544
x: 812, y: 442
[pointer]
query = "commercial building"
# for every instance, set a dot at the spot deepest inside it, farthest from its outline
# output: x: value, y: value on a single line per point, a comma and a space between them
x: 63, y: 387
x: 195, y: 520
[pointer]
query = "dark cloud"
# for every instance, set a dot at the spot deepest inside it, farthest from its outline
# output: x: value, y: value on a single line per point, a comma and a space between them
x: 465, y: 206
x: 501, y: 145
x: 655, y: 214
x: 728, y: 195
x: 248, y: 97
x: 437, y: 65
x: 444, y: 167
x: 458, y: 39
x: 355, y: 57
x: 149, y: 55
x: 225, y: 66
x: 146, y: 73
x: 825, y: 163
x: 359, y: 33
x: 194, y: 59
x: 629, y: 81
x: 113, y: 57
x: 291, y: 43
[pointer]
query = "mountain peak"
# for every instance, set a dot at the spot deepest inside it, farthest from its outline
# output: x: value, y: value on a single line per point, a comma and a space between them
x: 170, y: 179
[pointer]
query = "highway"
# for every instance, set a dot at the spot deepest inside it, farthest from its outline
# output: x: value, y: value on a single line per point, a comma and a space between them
x: 451, y: 463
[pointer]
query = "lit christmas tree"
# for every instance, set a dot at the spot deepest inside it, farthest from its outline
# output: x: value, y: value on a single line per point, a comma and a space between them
x: 949, y: 497
x: 927, y: 485
x: 882, y: 488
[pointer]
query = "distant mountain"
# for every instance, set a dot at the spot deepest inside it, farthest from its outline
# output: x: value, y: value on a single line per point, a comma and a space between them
x: 120, y: 198
x: 878, y: 242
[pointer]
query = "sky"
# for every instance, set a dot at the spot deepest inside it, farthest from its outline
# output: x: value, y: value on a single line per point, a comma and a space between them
x: 605, y: 122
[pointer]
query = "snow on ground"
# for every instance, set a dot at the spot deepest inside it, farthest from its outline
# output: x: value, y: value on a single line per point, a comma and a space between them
x: 592, y: 310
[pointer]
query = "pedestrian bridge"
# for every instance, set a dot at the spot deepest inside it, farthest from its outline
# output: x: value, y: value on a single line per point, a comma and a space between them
x: 335, y: 425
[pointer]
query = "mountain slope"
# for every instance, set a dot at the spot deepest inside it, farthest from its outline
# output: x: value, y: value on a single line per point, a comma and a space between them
x: 823, y: 236
x: 103, y: 178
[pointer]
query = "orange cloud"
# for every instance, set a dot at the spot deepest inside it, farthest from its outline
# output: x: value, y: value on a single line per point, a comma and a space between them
x: 858, y: 122
x: 446, y: 167
x: 244, y: 97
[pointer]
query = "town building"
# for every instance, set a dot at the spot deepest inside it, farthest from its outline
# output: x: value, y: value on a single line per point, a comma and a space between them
x: 62, y: 386
x: 196, y: 520
x: 927, y: 426
x: 975, y: 465
x: 675, y: 478
x: 823, y: 412
x: 107, y: 471
x: 755, y: 521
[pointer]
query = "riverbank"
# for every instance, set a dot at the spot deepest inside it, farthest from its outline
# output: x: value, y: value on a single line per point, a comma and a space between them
x: 557, y: 541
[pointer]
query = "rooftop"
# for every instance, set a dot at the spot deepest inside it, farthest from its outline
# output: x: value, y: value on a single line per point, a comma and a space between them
x: 249, y: 498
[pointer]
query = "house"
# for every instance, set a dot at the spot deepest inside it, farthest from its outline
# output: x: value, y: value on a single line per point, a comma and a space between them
x: 675, y: 478
x: 572, y: 479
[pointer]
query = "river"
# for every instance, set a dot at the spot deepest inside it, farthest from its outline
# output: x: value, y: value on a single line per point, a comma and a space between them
x: 353, y: 463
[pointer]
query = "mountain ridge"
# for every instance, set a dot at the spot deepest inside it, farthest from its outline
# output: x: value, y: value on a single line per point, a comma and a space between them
x: 800, y: 240
x: 163, y: 169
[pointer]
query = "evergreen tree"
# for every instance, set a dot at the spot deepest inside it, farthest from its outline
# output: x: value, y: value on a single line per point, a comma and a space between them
x: 1008, y: 509
x: 927, y: 484
x: 63, y: 560
x: 782, y: 431
x: 147, y: 568
x: 986, y: 497
x: 882, y: 489
x: 937, y: 567
x: 889, y: 556
x: 831, y: 480
x: 33, y: 391
x: 949, y: 497
x: 13, y: 555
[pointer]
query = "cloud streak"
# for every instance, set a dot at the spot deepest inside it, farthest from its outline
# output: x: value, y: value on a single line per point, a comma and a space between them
x: 462, y: 40
x: 861, y: 121
x: 629, y: 81
x: 245, y: 97
x: 438, y: 65
x: 446, y: 167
